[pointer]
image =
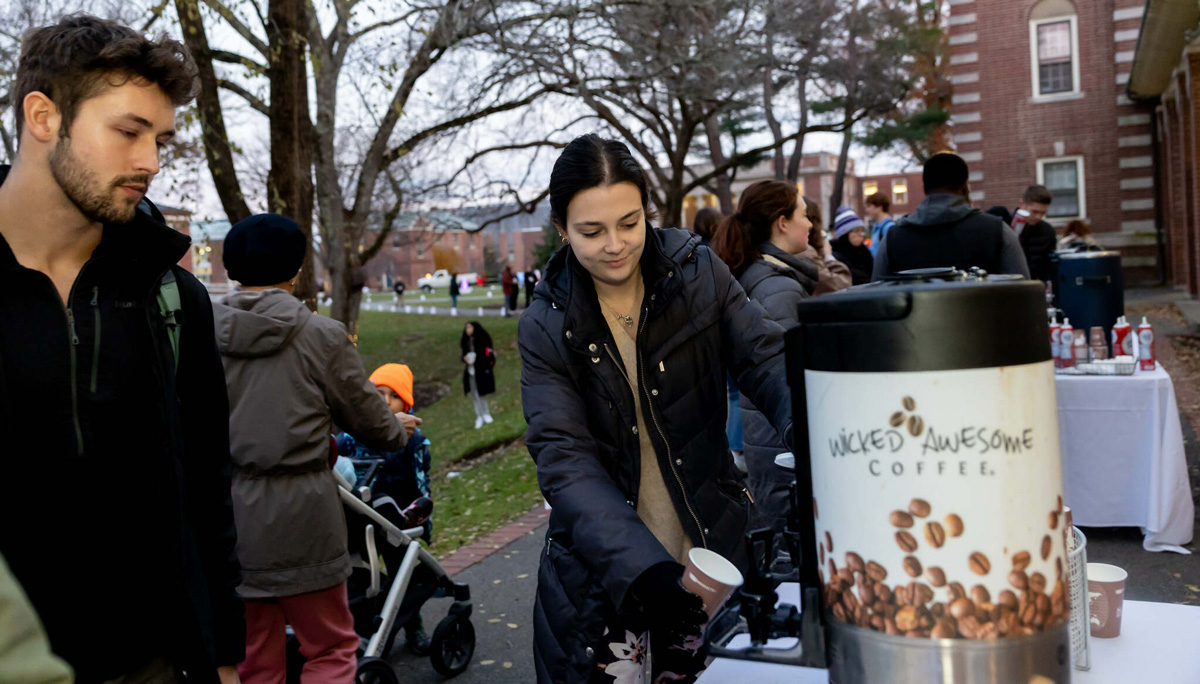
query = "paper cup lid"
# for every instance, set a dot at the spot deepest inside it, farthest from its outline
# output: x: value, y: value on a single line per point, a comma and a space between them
x: 786, y: 461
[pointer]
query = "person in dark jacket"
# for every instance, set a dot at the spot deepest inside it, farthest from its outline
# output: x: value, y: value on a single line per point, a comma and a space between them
x: 705, y: 224
x: 1038, y: 238
x: 88, y: 356
x: 946, y: 231
x: 624, y: 356
x: 455, y: 289
x: 479, y: 378
x: 760, y: 243
x: 531, y: 281
x: 848, y: 248
x: 508, y: 285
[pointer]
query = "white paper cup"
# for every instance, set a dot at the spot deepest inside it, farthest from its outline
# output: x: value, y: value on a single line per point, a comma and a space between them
x: 471, y: 358
x: 711, y: 577
x: 1106, y: 599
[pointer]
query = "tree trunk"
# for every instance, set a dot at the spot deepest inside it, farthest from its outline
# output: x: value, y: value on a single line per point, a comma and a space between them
x: 217, y: 149
x: 839, y: 179
x: 768, y: 88
x: 793, y: 171
x: 289, y: 182
x: 712, y: 130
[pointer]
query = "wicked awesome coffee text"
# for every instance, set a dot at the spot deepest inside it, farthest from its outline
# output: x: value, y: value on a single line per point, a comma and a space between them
x: 968, y: 440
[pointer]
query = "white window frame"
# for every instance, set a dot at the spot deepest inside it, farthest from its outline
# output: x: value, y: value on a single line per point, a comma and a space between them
x: 1034, y: 73
x: 1079, y: 169
x: 896, y: 182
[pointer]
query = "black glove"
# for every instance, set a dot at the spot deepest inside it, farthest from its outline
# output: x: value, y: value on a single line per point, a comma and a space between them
x: 669, y: 609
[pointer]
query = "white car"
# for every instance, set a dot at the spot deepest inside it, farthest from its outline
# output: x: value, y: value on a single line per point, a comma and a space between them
x: 441, y: 279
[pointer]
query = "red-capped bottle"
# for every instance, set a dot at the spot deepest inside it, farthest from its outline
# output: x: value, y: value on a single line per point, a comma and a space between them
x: 1146, y: 357
x: 1066, y: 345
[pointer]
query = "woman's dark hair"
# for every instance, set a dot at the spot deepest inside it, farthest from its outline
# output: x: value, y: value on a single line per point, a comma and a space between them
x: 1079, y: 228
x: 736, y: 240
x: 478, y: 341
x: 590, y: 161
x: 706, y: 221
x: 816, y: 235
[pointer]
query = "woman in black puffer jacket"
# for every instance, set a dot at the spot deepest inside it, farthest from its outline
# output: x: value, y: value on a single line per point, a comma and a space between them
x: 761, y: 244
x: 624, y: 352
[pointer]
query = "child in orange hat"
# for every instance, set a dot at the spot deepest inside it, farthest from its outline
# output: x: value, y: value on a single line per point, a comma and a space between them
x: 403, y: 475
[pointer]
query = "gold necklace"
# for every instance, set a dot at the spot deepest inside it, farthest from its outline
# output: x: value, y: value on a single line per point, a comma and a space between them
x: 627, y: 319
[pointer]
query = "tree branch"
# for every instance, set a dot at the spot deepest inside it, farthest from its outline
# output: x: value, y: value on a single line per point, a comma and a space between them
x: 257, y: 104
x: 522, y: 208
x: 234, y: 58
x: 155, y: 15
x: 237, y: 25
x: 407, y: 146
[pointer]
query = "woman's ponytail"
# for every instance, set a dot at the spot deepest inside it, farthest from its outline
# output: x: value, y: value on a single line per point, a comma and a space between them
x: 738, y: 237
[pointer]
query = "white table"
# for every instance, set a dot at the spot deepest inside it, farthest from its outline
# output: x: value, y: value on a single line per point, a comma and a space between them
x: 1157, y: 645
x: 1123, y: 459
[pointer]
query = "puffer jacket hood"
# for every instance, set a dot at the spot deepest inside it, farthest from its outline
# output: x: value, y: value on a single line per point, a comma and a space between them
x: 798, y: 268
x: 940, y: 209
x: 259, y: 324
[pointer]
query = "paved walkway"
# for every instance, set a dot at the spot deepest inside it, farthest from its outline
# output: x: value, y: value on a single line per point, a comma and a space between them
x: 501, y: 570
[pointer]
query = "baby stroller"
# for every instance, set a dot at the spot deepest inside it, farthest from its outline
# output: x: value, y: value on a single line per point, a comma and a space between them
x: 393, y: 576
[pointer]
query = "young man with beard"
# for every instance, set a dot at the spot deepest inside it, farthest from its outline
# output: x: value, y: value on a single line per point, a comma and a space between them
x: 116, y: 501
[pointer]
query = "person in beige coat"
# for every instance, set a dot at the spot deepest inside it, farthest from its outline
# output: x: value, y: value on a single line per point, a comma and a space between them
x: 25, y: 656
x: 292, y: 376
x: 833, y: 275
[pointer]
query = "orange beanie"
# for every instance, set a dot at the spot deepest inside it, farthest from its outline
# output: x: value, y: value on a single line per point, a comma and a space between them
x: 398, y: 377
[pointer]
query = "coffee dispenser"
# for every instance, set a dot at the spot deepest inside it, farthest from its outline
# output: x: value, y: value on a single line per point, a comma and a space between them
x: 929, y: 516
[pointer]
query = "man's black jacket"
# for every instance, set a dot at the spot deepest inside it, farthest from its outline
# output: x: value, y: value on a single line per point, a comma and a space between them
x: 115, y: 509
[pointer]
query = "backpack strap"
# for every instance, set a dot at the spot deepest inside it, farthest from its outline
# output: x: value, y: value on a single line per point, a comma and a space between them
x: 171, y: 309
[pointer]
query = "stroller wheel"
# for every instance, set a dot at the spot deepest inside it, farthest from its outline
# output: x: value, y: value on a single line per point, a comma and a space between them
x: 375, y: 671
x: 452, y: 645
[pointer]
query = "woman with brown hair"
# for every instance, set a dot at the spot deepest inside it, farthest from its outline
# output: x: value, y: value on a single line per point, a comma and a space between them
x: 761, y: 243
x: 1077, y: 237
x: 832, y: 275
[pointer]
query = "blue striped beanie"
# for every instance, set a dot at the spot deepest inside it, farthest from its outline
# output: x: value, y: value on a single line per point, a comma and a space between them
x: 845, y: 220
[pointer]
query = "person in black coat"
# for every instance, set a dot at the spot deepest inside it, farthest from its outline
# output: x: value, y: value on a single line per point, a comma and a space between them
x: 1038, y: 238
x: 530, y: 283
x: 114, y: 400
x: 849, y: 248
x: 455, y: 289
x: 624, y: 353
x: 478, y: 378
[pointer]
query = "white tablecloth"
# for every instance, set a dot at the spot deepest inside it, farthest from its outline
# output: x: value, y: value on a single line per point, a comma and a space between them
x: 1157, y: 646
x: 1123, y: 460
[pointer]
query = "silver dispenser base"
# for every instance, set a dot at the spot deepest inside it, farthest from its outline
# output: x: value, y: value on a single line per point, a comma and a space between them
x: 861, y: 656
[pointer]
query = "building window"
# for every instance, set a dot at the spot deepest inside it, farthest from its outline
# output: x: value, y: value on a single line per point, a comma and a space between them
x: 1063, y: 177
x: 710, y: 200
x: 870, y: 188
x: 800, y: 187
x: 1054, y: 49
x: 899, y: 191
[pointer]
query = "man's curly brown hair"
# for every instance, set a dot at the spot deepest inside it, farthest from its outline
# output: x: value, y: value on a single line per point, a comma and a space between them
x: 77, y: 58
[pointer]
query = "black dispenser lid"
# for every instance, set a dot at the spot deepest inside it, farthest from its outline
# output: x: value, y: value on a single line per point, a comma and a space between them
x: 941, y: 325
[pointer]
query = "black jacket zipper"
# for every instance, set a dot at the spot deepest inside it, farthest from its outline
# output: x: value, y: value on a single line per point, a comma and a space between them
x: 95, y: 338
x: 74, y: 368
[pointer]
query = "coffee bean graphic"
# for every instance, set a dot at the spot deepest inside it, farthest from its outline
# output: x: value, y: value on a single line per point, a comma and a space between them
x: 1046, y: 547
x: 1053, y: 520
x: 954, y: 525
x: 1018, y: 580
x: 815, y: 516
x: 909, y: 404
x: 900, y: 519
x: 980, y: 594
x: 919, y: 507
x: 979, y: 563
x: 916, y: 426
x: 876, y: 571
x: 907, y: 542
x: 1007, y: 599
x: 962, y: 608
x: 912, y: 566
x: 854, y: 562
x: 828, y: 542
x: 936, y: 576
x: 955, y: 591
x: 934, y: 534
x: 897, y: 419
x: 1058, y: 568
x: 1021, y: 560
x: 1037, y: 583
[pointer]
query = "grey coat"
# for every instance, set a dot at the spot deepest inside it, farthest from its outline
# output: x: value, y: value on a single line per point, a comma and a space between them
x: 291, y: 376
x: 779, y: 289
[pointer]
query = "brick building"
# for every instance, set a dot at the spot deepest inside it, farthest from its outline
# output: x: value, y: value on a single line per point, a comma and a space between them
x: 817, y: 171
x: 180, y: 220
x: 1040, y: 97
x: 208, y: 239
x: 1164, y: 75
x: 904, y: 188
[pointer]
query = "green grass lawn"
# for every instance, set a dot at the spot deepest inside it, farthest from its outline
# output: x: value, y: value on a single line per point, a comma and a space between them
x: 495, y: 489
x: 477, y: 297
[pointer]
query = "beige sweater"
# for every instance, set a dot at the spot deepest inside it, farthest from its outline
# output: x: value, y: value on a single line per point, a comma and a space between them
x: 654, y: 504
